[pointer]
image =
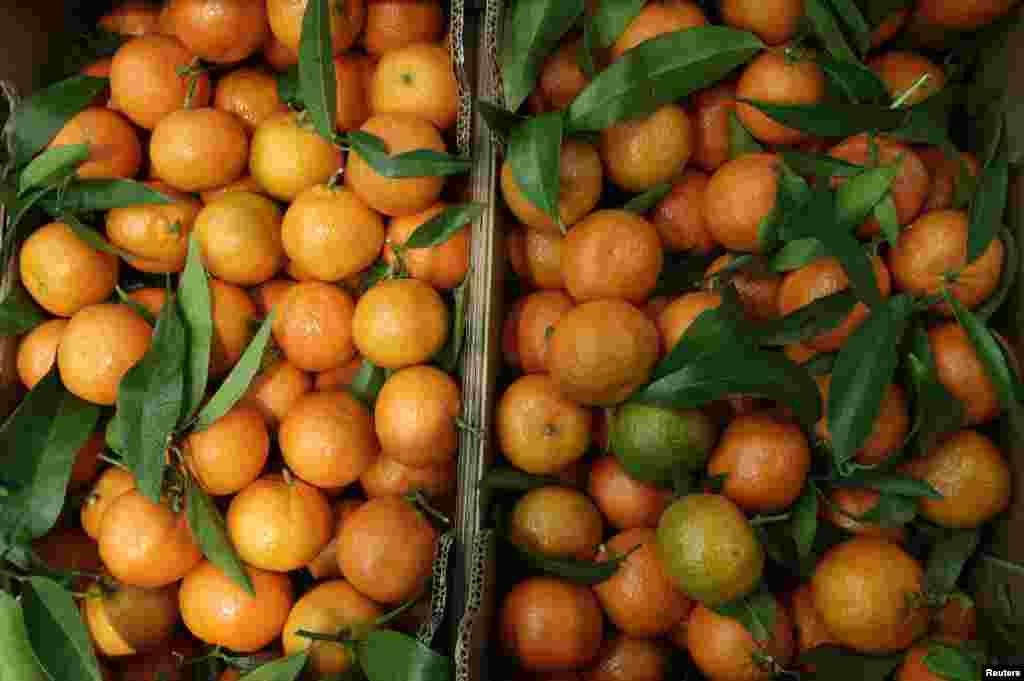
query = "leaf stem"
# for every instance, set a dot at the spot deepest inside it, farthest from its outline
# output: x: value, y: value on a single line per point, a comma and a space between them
x: 769, y: 519
x: 909, y: 92
x: 388, y: 618
x: 418, y: 499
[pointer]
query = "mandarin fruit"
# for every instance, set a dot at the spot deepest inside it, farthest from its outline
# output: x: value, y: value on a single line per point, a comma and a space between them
x: 641, y: 153
x: 157, y: 234
x: 776, y: 78
x: 250, y: 94
x: 100, y: 344
x: 231, y: 453
x: 581, y: 178
x: 415, y: 416
x: 114, y: 147
x: 612, y: 254
x: 557, y: 522
x: 63, y: 273
x: 314, y: 326
x: 287, y: 156
x: 399, y: 323
x: 147, y: 81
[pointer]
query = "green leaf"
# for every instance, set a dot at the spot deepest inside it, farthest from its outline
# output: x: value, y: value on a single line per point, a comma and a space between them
x: 820, y: 316
x: 139, y: 309
x: 936, y: 412
x: 511, y: 479
x: 317, y: 82
x: 858, y: 83
x: 891, y: 483
x: 1007, y: 279
x: 52, y: 166
x: 928, y: 121
x: 534, y: 155
x: 832, y: 120
x: 951, y: 663
x: 828, y: 663
x: 892, y: 510
x: 817, y: 218
x: 584, y: 572
x: 989, y: 351
x: 89, y: 196
x: 501, y: 121
x: 819, y: 165
x: 641, y: 204
x: 947, y: 559
x: 708, y: 333
x: 849, y: 13
x: 611, y: 19
x: 825, y: 27
x: 238, y: 381
x: 532, y: 33
x: 20, y: 662
x: 367, y: 382
x: 451, y: 356
x: 741, y: 142
x: 284, y: 669
x: 19, y: 313
x: 587, y: 47
x: 659, y: 71
x: 197, y: 312
x: 444, y: 225
x: 211, y: 534
x: 862, y: 374
x: 93, y: 238
x: 44, y: 434
x: 756, y: 612
x: 877, y: 11
x: 392, y: 656
x: 150, y: 400
x: 288, y: 87
x: 418, y: 163
x: 805, y: 520
x: 737, y: 369
x: 39, y: 118
x: 796, y: 254
x: 988, y: 206
x: 888, y: 219
x: 857, y: 197
x: 57, y: 632
x: 821, y: 364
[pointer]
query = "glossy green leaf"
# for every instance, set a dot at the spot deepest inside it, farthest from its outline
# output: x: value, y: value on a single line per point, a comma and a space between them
x: 756, y: 612
x: 284, y: 669
x: 819, y: 165
x: 928, y: 121
x: 832, y: 663
x: 947, y: 559
x: 240, y: 378
x: 951, y: 663
x: 501, y: 121
x: 39, y: 118
x: 89, y: 196
x: 819, y: 317
x: 989, y: 351
x: 825, y: 27
x: 150, y: 400
x: 51, y: 166
x: 19, y: 313
x: 850, y: 15
x: 16, y: 226
x: 392, y: 656
x: 585, y: 572
x: 367, y: 382
x: 708, y: 333
x: 891, y: 510
x: 444, y: 225
x: 586, y: 49
x: 641, y: 204
x: 891, y: 483
x: 288, y: 87
x: 532, y: 33
x: 988, y: 206
x: 936, y: 412
x: 796, y: 254
x: 611, y: 19
x: 862, y: 374
x: 659, y: 71
x: 534, y: 155
x: 833, y: 120
x: 511, y: 479
x: 1007, y: 279
x: 857, y: 197
x: 19, y: 660
x: 858, y: 83
x: 888, y: 219
x: 197, y: 312
x: 418, y: 163
x: 821, y: 364
x: 805, y: 520
x: 142, y: 311
x: 57, y: 633
x: 211, y: 534
x: 877, y: 11
x: 317, y: 82
x: 94, y: 238
x: 741, y: 142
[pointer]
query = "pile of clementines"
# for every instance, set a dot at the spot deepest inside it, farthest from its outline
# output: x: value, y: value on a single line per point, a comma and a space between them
x: 328, y: 494
x: 674, y: 527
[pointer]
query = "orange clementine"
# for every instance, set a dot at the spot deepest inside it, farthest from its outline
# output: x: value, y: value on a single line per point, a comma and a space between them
x: 847, y: 504
x: 231, y: 453
x: 724, y: 649
x: 537, y: 318
x: 711, y: 108
x: 287, y: 156
x: 756, y: 286
x: 888, y: 434
x: 419, y: 80
x: 131, y: 18
x: 100, y: 344
x: 353, y: 96
x: 736, y: 224
x: 542, y: 254
x: 130, y: 620
x: 679, y: 217
x: 641, y: 153
x: 399, y: 323
x: 70, y: 549
x: 220, y: 31
x: 902, y: 71
x: 250, y: 94
x: 945, y: 173
x: 612, y: 254
x: 37, y: 351
x: 394, y: 24
x: 961, y: 15
x: 581, y: 178
x: 962, y: 373
x: 629, y: 659
x: 313, y: 326
x: 246, y: 183
x: 233, y: 314
x: 114, y: 482
x: 325, y: 565
x: 327, y: 439
x: 276, y: 389
x: 346, y: 21
x: 146, y: 81
x: 678, y: 315
x: 810, y: 631
x: 557, y: 522
x: 415, y: 416
x: 561, y: 78
x: 63, y: 273
x: 278, y: 55
x: 775, y: 78
x: 199, y: 149
x: 342, y: 377
x: 657, y: 18
x: 269, y: 295
x: 957, y: 620
x: 443, y: 266
x: 114, y: 147
x: 157, y: 234
x: 775, y: 22
x: 625, y: 503
x: 890, y: 27
x: 390, y: 477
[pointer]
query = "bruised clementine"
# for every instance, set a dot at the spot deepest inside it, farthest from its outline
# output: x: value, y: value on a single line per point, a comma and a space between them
x: 327, y: 439
x: 114, y: 147
x: 220, y: 612
x: 808, y: 626
x: 63, y: 273
x: 612, y: 254
x: 601, y: 351
x: 557, y: 522
x: 146, y: 81
x: 756, y: 286
x: 848, y: 504
x: 415, y: 416
x: 146, y: 544
x: 629, y: 659
x: 539, y: 430
x: 946, y: 176
x: 711, y: 108
x: 561, y: 78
